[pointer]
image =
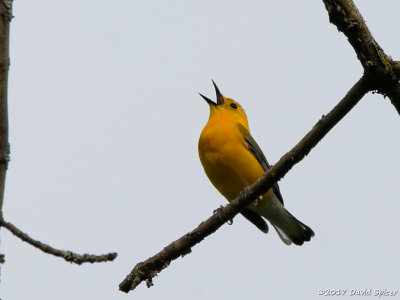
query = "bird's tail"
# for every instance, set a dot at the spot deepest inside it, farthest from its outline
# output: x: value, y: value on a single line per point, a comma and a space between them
x: 289, y: 229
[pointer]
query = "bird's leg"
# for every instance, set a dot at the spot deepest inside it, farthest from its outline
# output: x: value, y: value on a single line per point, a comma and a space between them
x: 255, y: 202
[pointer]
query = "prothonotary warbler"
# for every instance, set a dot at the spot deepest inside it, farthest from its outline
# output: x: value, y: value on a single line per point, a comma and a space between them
x: 232, y: 161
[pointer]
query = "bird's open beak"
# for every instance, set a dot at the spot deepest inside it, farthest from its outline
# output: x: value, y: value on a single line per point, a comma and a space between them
x: 220, y: 98
x: 208, y: 100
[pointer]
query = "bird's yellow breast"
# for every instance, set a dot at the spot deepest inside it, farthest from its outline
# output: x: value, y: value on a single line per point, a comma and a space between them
x: 228, y: 163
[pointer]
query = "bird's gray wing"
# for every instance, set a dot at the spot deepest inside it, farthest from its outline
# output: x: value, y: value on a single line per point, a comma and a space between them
x: 253, y: 147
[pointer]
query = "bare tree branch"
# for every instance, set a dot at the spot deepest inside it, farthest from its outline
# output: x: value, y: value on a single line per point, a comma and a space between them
x: 67, y: 255
x: 5, y: 18
x: 385, y: 72
x: 145, y: 271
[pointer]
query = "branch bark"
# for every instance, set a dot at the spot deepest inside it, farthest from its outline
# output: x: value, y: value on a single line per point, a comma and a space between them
x: 145, y: 271
x: 384, y: 71
x: 5, y: 18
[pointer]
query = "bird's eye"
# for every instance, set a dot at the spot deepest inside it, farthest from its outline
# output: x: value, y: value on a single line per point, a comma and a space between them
x: 233, y: 105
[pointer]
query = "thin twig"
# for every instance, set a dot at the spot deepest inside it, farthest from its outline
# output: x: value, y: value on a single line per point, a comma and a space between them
x: 67, y: 255
x: 145, y: 271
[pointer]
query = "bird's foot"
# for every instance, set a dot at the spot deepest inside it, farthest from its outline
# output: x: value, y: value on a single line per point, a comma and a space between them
x: 244, y: 192
x: 217, y: 210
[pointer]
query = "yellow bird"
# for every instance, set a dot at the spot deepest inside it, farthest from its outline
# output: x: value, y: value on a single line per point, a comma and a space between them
x: 232, y: 161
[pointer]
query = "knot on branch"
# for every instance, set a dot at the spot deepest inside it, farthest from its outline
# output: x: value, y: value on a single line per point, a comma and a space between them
x: 6, y: 10
x: 5, y: 155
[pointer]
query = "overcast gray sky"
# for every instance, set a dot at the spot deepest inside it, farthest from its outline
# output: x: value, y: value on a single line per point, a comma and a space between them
x: 104, y: 123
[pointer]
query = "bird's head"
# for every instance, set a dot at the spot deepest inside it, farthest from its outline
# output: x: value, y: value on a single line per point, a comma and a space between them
x: 226, y: 107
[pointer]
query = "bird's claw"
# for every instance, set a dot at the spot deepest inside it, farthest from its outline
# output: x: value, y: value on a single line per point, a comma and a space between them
x: 244, y: 192
x: 217, y: 210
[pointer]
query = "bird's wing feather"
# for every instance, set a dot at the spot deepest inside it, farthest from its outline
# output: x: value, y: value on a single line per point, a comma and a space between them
x: 256, y: 219
x: 253, y: 147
